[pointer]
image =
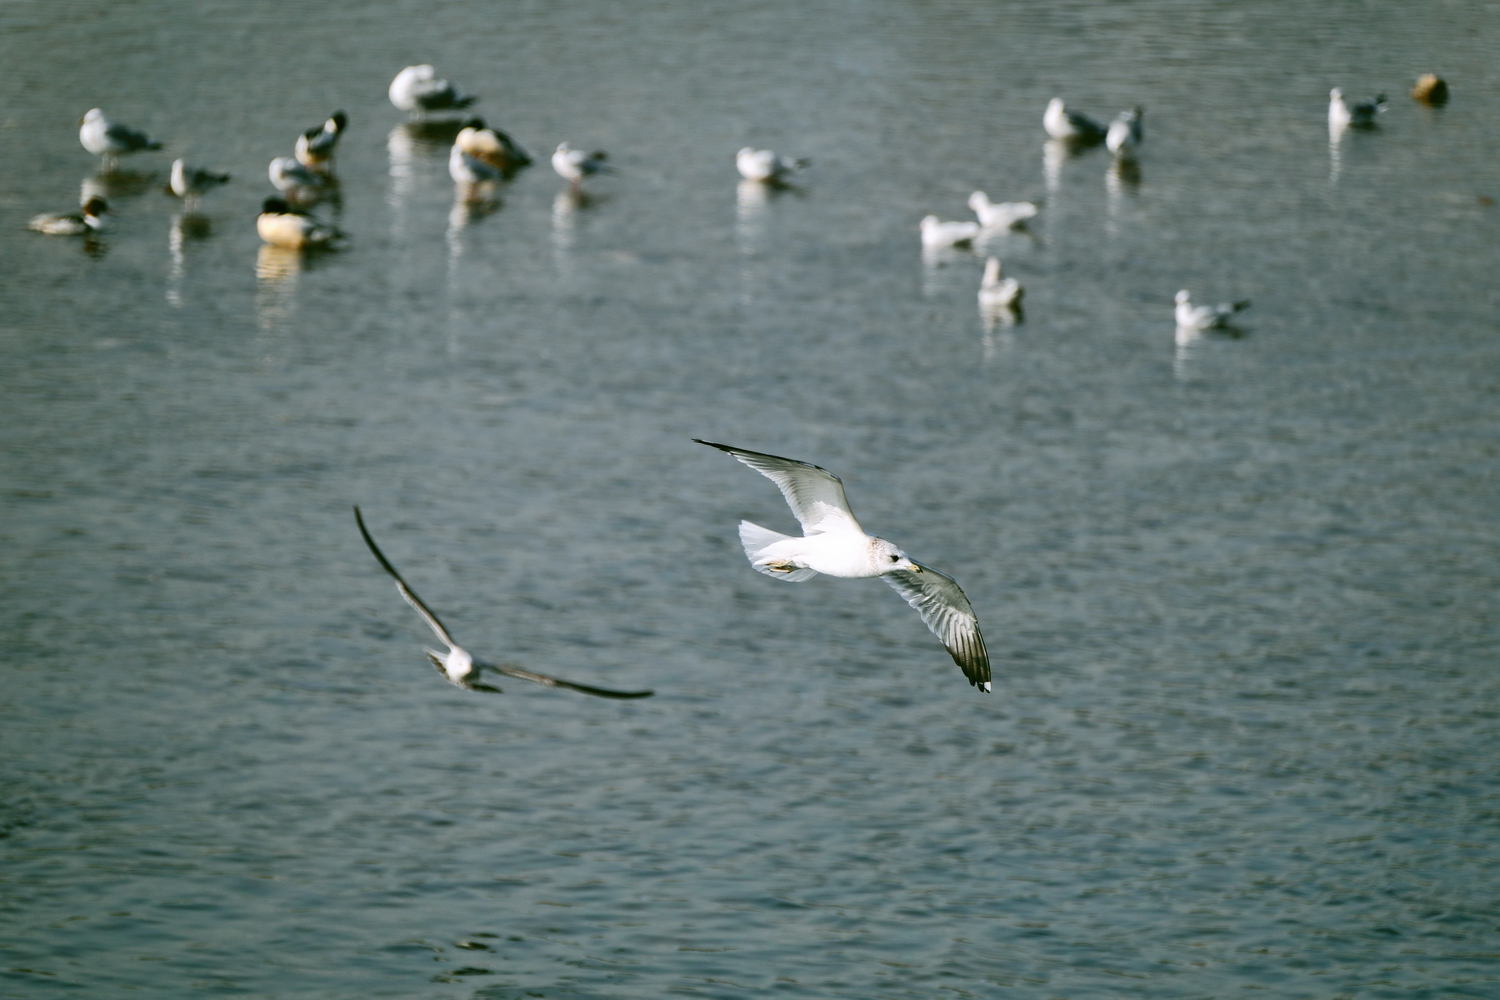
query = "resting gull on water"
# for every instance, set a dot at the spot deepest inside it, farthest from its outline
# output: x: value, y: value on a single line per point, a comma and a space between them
x: 1124, y: 135
x: 937, y: 234
x: 573, y: 165
x: 1001, y: 214
x: 107, y: 139
x: 416, y: 91
x: 1342, y: 112
x: 835, y: 544
x: 765, y: 165
x: 457, y: 666
x: 191, y: 183
x: 1070, y: 126
x: 1191, y: 317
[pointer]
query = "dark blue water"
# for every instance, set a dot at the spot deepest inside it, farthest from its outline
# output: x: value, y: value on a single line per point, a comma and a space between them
x: 1239, y: 591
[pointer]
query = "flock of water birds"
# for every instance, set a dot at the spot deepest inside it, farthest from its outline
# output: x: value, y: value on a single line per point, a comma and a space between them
x: 832, y: 541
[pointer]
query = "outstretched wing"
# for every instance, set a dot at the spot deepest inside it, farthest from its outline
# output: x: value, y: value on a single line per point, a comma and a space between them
x: 815, y: 495
x: 948, y: 613
x: 406, y: 592
x: 546, y: 681
x: 442, y: 633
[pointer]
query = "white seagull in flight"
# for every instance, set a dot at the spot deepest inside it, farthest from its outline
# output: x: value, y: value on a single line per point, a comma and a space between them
x: 835, y: 544
x: 461, y: 669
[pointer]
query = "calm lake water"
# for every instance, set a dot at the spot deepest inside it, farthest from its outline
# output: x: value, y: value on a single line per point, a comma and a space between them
x: 1240, y: 592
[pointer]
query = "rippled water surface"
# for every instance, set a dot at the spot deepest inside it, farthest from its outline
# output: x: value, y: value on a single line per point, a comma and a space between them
x: 1240, y: 591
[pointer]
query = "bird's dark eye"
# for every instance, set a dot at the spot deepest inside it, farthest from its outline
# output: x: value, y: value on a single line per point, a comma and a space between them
x: 895, y: 558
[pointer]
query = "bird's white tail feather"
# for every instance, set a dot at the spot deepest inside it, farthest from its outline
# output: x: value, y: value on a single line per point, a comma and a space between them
x: 756, y: 540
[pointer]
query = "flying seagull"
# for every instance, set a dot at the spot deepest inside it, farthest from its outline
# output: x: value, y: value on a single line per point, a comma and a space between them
x: 461, y: 669
x: 835, y: 544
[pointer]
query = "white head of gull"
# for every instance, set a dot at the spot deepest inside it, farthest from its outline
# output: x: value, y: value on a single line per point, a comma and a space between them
x: 457, y: 666
x: 833, y: 543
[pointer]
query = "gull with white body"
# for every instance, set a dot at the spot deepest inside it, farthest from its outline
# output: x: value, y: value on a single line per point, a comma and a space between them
x: 470, y: 171
x: 1001, y: 214
x: 87, y: 220
x: 1124, y: 136
x: 1070, y: 126
x: 416, y: 90
x: 833, y: 543
x: 109, y: 140
x: 996, y: 292
x: 765, y: 165
x: 937, y: 234
x: 457, y: 666
x: 573, y: 165
x: 191, y: 183
x: 1191, y: 317
x: 1343, y: 113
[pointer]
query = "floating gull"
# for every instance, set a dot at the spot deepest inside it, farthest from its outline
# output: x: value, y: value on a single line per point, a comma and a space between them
x: 1124, y: 135
x: 937, y: 234
x: 490, y: 145
x: 108, y: 140
x: 1341, y: 113
x: 996, y: 292
x: 1061, y: 123
x: 574, y: 164
x: 461, y: 669
x: 835, y: 544
x: 765, y: 165
x: 190, y: 183
x: 1003, y: 214
x: 415, y: 91
x: 316, y: 146
x: 283, y: 226
x: 89, y: 219
x: 470, y: 170
x: 286, y: 174
x: 1191, y: 317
